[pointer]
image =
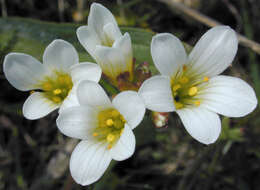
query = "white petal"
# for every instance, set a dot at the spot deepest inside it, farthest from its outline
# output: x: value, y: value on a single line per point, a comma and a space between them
x: 125, y: 146
x: 229, y: 96
x: 77, y: 122
x: 92, y: 94
x: 157, y: 95
x: 99, y: 16
x: 124, y: 44
x: 131, y: 106
x: 202, y: 124
x: 112, y: 31
x: 168, y: 53
x: 37, y: 106
x: 88, y: 39
x: 88, y: 162
x: 71, y: 100
x: 214, y: 52
x: 23, y: 71
x: 85, y: 71
x: 111, y: 61
x: 60, y: 55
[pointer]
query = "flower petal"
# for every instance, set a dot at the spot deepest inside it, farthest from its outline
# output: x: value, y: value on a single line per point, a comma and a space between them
x: 131, y: 106
x: 92, y: 94
x: 60, y: 55
x: 111, y: 61
x: 23, y: 71
x: 88, y: 39
x: 85, y: 71
x: 124, y: 44
x: 157, y: 95
x: 125, y: 146
x: 214, y: 52
x: 88, y: 162
x: 228, y: 96
x: 77, y: 122
x: 99, y: 16
x: 168, y: 53
x: 112, y: 31
x: 37, y: 106
x: 202, y: 124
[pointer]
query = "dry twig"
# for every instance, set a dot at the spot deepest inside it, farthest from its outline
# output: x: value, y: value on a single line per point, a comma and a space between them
x: 209, y: 22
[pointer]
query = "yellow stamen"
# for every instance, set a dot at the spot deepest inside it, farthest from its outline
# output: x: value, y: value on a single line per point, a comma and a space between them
x: 61, y: 79
x: 115, y: 113
x: 122, y: 130
x: 109, y: 122
x: 176, y: 87
x: 67, y: 80
x: 95, y: 134
x: 109, y: 146
x: 197, y: 103
x: 178, y: 105
x: 184, y: 80
x: 47, y: 86
x: 184, y: 68
x: 110, y: 137
x: 122, y: 118
x: 56, y: 99
x: 57, y: 91
x: 193, y: 91
x: 206, y: 79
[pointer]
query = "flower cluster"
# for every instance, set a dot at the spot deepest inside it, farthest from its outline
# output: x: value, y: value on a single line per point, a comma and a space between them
x: 189, y: 85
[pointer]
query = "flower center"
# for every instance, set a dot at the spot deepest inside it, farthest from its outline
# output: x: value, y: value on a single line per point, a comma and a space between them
x: 110, y: 127
x: 185, y: 89
x: 57, y: 88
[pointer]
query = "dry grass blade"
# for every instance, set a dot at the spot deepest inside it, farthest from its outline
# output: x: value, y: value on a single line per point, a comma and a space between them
x: 209, y: 22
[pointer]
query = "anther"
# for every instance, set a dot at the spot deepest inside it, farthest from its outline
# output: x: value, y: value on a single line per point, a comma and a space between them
x: 184, y: 68
x: 176, y: 87
x: 206, y: 79
x: 109, y: 122
x: 184, y: 80
x: 95, y: 134
x: 57, y: 91
x: 110, y: 137
x: 193, y: 91
x: 109, y: 146
x: 197, y: 103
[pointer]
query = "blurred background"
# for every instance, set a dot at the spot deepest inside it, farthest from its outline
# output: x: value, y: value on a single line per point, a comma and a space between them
x: 34, y: 155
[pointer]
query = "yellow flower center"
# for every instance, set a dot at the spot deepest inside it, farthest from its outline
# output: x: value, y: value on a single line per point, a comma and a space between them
x: 57, y: 87
x: 110, y: 127
x: 186, y: 89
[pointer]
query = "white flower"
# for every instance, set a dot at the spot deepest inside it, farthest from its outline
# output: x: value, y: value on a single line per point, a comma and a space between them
x: 105, y: 129
x: 105, y: 43
x: 54, y: 81
x: 191, y: 85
